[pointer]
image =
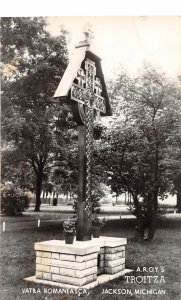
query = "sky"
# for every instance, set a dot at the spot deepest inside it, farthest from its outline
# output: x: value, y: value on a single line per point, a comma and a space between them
x: 118, y: 39
x: 127, y: 41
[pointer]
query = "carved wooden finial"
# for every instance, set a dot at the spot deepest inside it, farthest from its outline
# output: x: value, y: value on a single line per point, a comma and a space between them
x: 88, y: 33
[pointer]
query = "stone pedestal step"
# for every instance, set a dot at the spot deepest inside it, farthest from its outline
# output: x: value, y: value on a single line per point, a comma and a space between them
x: 100, y: 280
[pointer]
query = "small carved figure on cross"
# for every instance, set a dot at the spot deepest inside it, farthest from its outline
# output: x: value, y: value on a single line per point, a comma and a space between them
x: 81, y: 77
x: 98, y: 86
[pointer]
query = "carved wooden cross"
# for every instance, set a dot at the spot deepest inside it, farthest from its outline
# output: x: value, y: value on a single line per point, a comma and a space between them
x: 88, y: 85
x: 86, y: 90
x: 83, y: 84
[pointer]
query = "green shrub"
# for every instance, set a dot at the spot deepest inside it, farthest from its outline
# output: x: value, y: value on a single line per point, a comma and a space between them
x: 13, y: 201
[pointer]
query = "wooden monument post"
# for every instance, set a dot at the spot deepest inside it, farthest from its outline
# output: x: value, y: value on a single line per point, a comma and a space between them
x: 84, y: 86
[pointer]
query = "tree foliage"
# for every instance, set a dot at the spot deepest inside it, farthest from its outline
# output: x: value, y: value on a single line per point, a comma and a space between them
x: 37, y: 127
x: 13, y: 201
x: 136, y: 151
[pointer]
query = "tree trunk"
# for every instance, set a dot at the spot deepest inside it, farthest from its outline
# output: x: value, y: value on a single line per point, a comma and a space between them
x: 177, y: 183
x: 153, y: 215
x: 125, y: 197
x: 129, y: 198
x: 140, y: 223
x: 152, y: 226
x: 57, y: 197
x: 38, y: 166
x: 154, y: 195
x: 39, y: 181
x: 179, y: 200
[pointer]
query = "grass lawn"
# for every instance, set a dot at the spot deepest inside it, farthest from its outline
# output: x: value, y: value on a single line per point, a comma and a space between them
x: 18, y: 258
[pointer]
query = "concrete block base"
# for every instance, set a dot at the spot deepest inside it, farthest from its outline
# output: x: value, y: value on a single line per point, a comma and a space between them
x: 100, y: 280
x: 80, y: 263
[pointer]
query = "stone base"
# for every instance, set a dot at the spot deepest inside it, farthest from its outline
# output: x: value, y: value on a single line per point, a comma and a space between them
x: 80, y: 263
x: 100, y: 280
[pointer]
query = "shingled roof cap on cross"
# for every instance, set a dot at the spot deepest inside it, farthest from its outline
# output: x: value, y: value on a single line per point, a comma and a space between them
x: 81, y: 53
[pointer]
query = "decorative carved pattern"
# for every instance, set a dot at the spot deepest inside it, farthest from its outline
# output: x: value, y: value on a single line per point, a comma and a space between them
x: 89, y: 97
x: 87, y: 92
x: 100, y: 103
x: 77, y: 93
x: 90, y: 74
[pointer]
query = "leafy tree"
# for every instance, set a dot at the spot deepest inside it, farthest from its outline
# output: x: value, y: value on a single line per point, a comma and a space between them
x: 177, y: 157
x: 174, y: 162
x: 36, y: 126
x: 136, y: 144
x: 65, y: 174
